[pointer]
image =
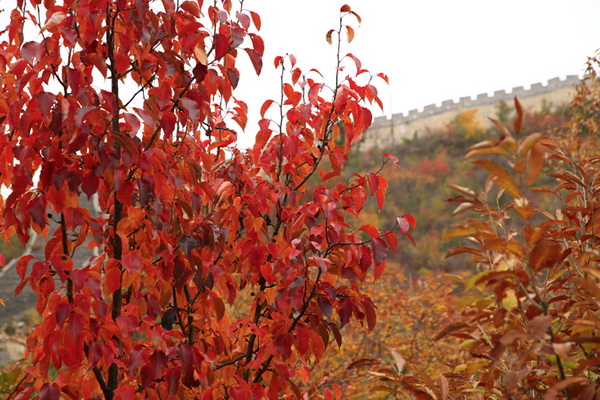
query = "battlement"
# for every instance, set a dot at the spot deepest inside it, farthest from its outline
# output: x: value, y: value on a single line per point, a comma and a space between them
x: 482, y: 99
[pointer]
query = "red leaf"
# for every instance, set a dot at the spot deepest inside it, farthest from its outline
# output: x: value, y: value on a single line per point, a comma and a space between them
x: 325, y: 305
x: 132, y: 261
x: 411, y: 220
x: 191, y: 7
x: 125, y: 391
x: 221, y: 45
x: 256, y: 60
x: 265, y: 107
x: 345, y: 8
x: 37, y: 209
x: 138, y: 356
x: 187, y: 244
x: 370, y: 313
x: 379, y: 270
x: 392, y: 239
x: 173, y: 378
x: 113, y: 275
x: 373, y: 182
x: 345, y: 311
x: 384, y: 77
x: 22, y: 265
x: 255, y: 19
x: 200, y: 71
x: 380, y: 250
x: 302, y: 340
x: 167, y: 123
x: 380, y: 195
x: 31, y: 51
x: 392, y: 157
x: 403, y: 224
x: 258, y: 44
x: 128, y: 323
x: 238, y: 393
x: 45, y: 101
x: 410, y: 237
x: 358, y: 65
x: 328, y: 36
x: 278, y: 61
x: 186, y: 355
x: 370, y: 230
x: 49, y: 391
x: 283, y: 344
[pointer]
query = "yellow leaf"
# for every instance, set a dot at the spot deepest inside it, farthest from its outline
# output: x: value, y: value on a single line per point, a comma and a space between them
x: 510, y: 300
x: 200, y: 53
x: 459, y: 232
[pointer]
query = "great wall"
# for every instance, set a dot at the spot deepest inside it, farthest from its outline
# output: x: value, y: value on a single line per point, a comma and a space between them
x: 385, y: 133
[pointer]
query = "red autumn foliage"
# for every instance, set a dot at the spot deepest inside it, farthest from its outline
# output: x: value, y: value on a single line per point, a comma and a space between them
x: 218, y: 274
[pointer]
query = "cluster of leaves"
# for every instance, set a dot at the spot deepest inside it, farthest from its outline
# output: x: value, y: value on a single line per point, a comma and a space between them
x: 529, y: 325
x: 190, y: 226
x: 409, y: 318
x: 427, y: 164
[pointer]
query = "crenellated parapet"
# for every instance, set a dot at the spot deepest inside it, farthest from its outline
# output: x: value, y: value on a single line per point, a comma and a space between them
x: 384, y: 131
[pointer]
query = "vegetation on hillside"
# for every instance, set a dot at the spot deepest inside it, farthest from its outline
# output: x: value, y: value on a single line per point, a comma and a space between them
x: 525, y: 306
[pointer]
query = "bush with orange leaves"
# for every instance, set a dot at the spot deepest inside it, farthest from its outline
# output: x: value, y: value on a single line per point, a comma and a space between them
x: 529, y: 324
x: 411, y: 310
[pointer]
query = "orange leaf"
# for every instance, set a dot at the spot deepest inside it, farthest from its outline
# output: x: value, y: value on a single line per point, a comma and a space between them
x: 256, y: 19
x: 328, y: 36
x: 265, y: 107
x: 528, y: 142
x: 502, y: 177
x: 545, y: 254
x: 535, y: 164
x: 444, y: 386
x: 350, y: 33
x: 370, y: 230
x: 519, y: 119
x: 449, y: 329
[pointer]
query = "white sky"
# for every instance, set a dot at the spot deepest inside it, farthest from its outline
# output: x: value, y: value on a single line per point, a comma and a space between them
x: 432, y: 50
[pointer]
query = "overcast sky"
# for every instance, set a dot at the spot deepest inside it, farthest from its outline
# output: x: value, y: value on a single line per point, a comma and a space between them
x: 432, y: 50
x: 435, y: 50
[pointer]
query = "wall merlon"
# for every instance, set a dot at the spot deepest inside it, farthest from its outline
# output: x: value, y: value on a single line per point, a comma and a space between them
x: 518, y: 91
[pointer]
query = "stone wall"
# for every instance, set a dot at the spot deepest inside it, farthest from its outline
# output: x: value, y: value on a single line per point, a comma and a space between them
x: 386, y: 132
